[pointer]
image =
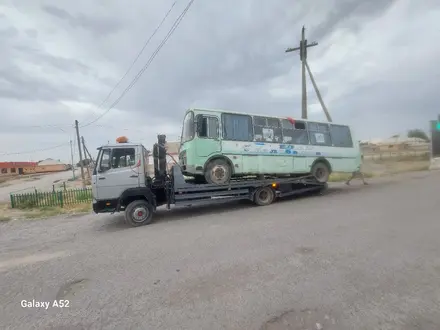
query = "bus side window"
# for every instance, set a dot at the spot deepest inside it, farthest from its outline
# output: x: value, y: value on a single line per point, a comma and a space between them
x: 237, y: 127
x: 267, y: 129
x: 294, y: 134
x: 208, y: 128
x: 319, y: 134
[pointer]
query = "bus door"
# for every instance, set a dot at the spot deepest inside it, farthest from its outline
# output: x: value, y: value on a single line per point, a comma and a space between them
x: 208, y: 136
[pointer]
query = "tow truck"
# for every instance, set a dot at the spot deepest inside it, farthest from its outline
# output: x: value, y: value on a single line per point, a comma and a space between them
x: 121, y: 183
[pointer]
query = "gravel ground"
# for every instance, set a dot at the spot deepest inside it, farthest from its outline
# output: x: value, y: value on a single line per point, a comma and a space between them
x: 360, y: 257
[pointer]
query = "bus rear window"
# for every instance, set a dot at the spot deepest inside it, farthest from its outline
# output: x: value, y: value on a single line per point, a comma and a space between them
x: 341, y: 136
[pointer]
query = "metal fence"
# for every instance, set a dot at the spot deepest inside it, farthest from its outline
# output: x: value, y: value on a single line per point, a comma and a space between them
x: 49, y: 199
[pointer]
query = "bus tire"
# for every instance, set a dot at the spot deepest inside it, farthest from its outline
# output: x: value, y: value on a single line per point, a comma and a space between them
x: 264, y: 196
x: 218, y: 171
x: 139, y: 213
x: 321, y: 172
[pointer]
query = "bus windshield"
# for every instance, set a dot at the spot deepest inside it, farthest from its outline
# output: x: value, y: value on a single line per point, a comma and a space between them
x: 188, y: 127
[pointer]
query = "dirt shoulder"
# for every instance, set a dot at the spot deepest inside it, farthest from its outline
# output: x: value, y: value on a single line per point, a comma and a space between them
x: 382, y: 168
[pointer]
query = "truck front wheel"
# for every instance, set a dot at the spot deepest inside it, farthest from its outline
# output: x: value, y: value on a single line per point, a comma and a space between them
x: 139, y: 213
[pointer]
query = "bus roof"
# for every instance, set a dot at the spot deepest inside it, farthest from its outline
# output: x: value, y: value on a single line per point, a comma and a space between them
x: 254, y: 114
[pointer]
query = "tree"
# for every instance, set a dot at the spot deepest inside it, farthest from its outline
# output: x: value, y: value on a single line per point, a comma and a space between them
x: 418, y: 133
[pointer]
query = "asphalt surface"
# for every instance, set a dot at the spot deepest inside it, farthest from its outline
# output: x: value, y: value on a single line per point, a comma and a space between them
x: 359, y: 257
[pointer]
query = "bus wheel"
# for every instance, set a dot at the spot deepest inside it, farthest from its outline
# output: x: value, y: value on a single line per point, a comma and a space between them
x: 321, y: 172
x: 218, y: 171
x: 139, y: 213
x: 264, y: 196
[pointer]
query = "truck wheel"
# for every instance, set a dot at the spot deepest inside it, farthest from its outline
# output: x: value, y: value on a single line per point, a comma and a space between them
x: 218, y: 171
x: 139, y: 213
x: 264, y: 196
x: 321, y: 172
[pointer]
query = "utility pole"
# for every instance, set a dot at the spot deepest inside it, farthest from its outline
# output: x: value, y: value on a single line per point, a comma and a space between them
x: 85, y: 157
x: 303, y: 57
x: 318, y: 94
x: 89, y: 155
x: 71, y: 154
x: 80, y: 154
x: 303, y: 45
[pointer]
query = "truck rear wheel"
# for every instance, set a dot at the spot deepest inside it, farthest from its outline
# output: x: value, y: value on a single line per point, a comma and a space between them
x: 139, y: 213
x: 264, y: 196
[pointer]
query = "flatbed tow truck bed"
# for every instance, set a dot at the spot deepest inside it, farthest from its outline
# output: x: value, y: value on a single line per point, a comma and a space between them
x: 201, y: 194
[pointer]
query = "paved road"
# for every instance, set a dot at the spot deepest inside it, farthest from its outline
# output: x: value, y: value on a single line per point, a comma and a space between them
x: 357, y: 258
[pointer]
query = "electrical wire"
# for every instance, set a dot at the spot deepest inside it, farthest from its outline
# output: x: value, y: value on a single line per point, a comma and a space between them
x: 35, y: 150
x: 36, y: 126
x: 138, y: 55
x: 146, y: 66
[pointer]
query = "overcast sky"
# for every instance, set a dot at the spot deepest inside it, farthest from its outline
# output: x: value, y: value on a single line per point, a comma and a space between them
x: 376, y: 65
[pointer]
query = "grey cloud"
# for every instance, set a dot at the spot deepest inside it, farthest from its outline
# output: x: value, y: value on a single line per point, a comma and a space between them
x: 22, y: 86
x: 97, y: 25
x: 357, y: 11
x: 31, y: 33
x: 10, y: 32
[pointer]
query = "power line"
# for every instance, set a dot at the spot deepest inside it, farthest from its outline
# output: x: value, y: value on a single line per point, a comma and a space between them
x: 33, y: 151
x: 150, y: 60
x: 36, y: 126
x: 138, y: 55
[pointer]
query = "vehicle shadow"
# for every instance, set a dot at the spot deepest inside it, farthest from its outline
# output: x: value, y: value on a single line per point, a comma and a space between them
x: 186, y: 212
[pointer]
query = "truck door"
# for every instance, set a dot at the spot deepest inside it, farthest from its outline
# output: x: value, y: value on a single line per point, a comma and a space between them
x: 117, y: 171
x: 208, y: 141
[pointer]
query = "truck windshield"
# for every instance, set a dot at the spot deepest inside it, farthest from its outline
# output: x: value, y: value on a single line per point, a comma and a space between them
x: 188, y: 127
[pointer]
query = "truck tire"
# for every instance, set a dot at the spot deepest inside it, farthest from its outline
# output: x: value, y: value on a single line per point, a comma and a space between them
x: 218, y: 171
x: 321, y: 172
x: 264, y: 196
x: 139, y: 213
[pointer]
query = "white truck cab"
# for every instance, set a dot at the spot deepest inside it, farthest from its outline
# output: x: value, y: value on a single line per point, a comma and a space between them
x: 119, y: 167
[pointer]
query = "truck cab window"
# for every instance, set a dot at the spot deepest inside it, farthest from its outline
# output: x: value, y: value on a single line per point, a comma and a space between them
x: 123, y: 157
x: 104, y: 164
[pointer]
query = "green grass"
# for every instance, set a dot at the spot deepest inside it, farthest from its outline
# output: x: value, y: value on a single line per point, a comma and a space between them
x: 52, y: 211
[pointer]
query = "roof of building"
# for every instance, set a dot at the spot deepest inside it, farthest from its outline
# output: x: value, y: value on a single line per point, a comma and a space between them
x: 50, y: 161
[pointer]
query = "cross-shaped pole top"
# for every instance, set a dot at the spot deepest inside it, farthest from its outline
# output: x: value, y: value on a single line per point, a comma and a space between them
x: 303, y: 45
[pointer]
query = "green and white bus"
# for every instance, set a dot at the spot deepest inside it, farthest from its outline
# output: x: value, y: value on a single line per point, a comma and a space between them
x: 217, y: 145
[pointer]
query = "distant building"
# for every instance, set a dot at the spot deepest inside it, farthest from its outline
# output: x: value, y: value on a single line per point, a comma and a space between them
x: 51, y: 165
x: 19, y: 168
